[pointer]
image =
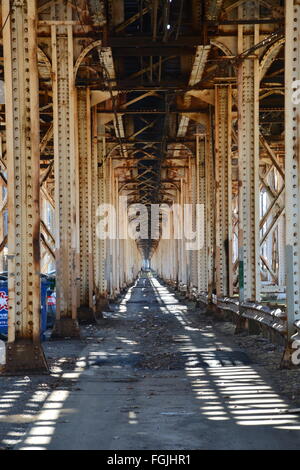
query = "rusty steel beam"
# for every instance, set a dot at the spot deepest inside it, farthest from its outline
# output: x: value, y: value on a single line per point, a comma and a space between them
x: 210, y: 208
x: 292, y: 171
x: 248, y: 139
x: 24, y: 350
x: 86, y: 309
x: 131, y: 20
x: 98, y: 245
x: 223, y: 142
x: 163, y: 50
x: 66, y: 324
x: 150, y: 111
x: 47, y: 246
x: 147, y: 41
x: 201, y: 184
x: 195, y: 77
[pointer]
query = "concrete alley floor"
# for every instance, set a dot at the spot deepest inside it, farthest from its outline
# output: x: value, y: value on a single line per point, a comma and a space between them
x: 153, y: 374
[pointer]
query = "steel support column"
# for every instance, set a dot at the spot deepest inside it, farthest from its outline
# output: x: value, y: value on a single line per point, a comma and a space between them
x: 101, y: 247
x: 223, y: 126
x: 202, y: 199
x: 183, y: 251
x: 210, y: 209
x: 24, y: 351
x: 248, y: 143
x: 66, y: 324
x: 98, y: 245
x: 86, y: 196
x: 292, y: 171
x: 192, y: 199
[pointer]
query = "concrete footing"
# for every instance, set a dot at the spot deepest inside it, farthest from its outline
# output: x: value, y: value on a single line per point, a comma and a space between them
x: 23, y: 357
x: 86, y: 315
x: 66, y: 328
x: 102, y: 304
x: 240, y: 325
x: 290, y: 358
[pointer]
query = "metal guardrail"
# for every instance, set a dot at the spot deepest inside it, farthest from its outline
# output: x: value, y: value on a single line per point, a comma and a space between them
x: 273, y: 318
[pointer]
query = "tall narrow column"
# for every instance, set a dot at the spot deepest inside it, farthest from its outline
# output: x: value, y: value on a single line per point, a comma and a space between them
x: 97, y: 199
x: 292, y: 158
x: 210, y: 210
x: 183, y: 251
x: 86, y: 310
x: 101, y: 245
x: 108, y: 189
x: 223, y: 110
x: 193, y: 254
x: 248, y: 142
x: 202, y: 199
x: 24, y: 351
x: 66, y: 324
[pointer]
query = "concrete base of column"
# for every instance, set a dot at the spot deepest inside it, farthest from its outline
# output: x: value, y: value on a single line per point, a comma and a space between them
x: 290, y: 358
x: 102, y: 304
x: 241, y: 325
x: 66, y: 328
x: 211, y: 308
x: 254, y: 327
x: 23, y: 357
x: 86, y: 315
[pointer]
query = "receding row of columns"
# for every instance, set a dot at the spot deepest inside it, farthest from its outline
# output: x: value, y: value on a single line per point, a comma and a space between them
x: 214, y: 183
x: 89, y: 270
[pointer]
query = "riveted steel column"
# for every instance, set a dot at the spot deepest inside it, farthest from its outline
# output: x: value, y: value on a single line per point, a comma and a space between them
x: 193, y: 254
x: 97, y: 199
x: 292, y: 158
x: 65, y: 173
x: 86, y: 196
x: 176, y: 226
x: 117, y: 241
x: 210, y: 210
x: 101, y: 248
x: 223, y: 124
x: 248, y: 143
x: 173, y: 249
x: 183, y: 252
x: 112, y: 242
x: 202, y: 199
x: 24, y: 351
x: 109, y: 188
x: 2, y: 232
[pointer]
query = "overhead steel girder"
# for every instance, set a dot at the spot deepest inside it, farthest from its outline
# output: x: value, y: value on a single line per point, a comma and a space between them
x: 24, y: 351
x: 212, y: 9
x: 65, y: 170
x: 196, y: 75
x: 106, y: 61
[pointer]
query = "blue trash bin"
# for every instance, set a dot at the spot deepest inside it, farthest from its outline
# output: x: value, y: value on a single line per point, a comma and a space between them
x: 44, y: 289
x: 4, y: 307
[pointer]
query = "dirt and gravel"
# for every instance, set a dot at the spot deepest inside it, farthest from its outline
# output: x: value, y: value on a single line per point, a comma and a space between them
x: 154, y: 373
